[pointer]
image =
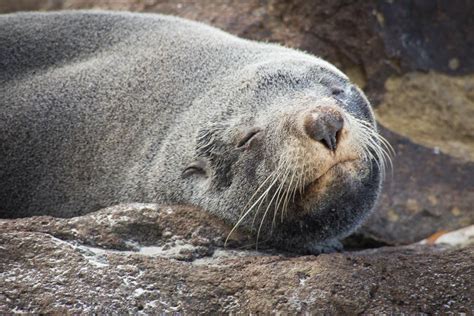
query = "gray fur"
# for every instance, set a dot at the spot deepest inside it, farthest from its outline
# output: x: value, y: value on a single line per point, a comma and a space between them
x: 99, y: 108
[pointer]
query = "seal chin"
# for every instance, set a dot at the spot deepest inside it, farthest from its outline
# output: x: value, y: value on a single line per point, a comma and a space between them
x: 331, y: 206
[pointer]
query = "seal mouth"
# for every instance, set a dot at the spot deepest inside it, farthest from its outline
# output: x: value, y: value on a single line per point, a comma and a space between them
x: 316, y: 183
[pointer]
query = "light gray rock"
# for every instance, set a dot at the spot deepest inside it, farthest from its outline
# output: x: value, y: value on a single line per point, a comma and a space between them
x: 105, y: 262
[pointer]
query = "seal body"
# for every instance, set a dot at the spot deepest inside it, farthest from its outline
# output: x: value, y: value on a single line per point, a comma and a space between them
x: 100, y: 108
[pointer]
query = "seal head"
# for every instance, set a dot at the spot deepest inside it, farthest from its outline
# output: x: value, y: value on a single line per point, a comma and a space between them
x: 301, y: 167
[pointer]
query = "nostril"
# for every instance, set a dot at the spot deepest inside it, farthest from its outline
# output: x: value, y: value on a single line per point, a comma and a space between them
x: 325, y: 126
x: 336, y: 91
x: 339, y: 134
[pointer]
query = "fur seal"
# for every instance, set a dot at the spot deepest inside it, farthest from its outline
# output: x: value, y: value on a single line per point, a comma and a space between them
x: 99, y: 108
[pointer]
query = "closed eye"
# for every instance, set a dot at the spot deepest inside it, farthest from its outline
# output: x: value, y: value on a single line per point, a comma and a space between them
x: 248, y: 137
x: 196, y: 167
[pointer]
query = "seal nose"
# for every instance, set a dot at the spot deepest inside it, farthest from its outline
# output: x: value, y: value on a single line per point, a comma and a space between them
x: 324, y: 125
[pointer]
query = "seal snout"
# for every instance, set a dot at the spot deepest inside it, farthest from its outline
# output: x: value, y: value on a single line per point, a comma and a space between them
x: 324, y: 124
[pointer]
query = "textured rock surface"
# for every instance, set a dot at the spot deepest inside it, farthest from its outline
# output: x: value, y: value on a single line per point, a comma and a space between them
x: 55, y: 265
x: 428, y: 192
x: 441, y: 106
x: 124, y: 227
x: 428, y: 35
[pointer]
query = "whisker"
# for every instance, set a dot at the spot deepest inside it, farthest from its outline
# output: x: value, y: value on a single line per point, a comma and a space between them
x: 281, y: 197
x: 287, y: 198
x: 276, y: 173
x: 256, y: 192
x: 287, y: 170
x: 249, y: 210
x: 374, y: 146
x: 277, y: 201
x: 258, y: 208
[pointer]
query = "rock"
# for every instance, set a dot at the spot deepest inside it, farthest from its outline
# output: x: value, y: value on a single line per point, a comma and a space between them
x: 458, y: 238
x: 429, y: 35
x: 428, y: 191
x: 8, y: 6
x: 181, y: 233
x: 74, y: 265
x: 432, y: 109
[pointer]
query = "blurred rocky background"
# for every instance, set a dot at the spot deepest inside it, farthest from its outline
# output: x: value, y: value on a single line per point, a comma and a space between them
x: 414, y: 59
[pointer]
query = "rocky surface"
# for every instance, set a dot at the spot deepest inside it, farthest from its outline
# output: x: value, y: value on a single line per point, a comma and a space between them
x: 428, y: 35
x: 145, y: 258
x: 130, y: 226
x: 427, y: 191
x: 442, y: 107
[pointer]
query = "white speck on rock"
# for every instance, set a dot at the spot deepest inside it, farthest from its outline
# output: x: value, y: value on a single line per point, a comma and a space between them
x: 220, y: 254
x: 138, y: 292
x: 303, y: 280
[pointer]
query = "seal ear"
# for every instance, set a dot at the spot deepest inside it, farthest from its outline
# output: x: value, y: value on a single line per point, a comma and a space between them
x: 196, y: 167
